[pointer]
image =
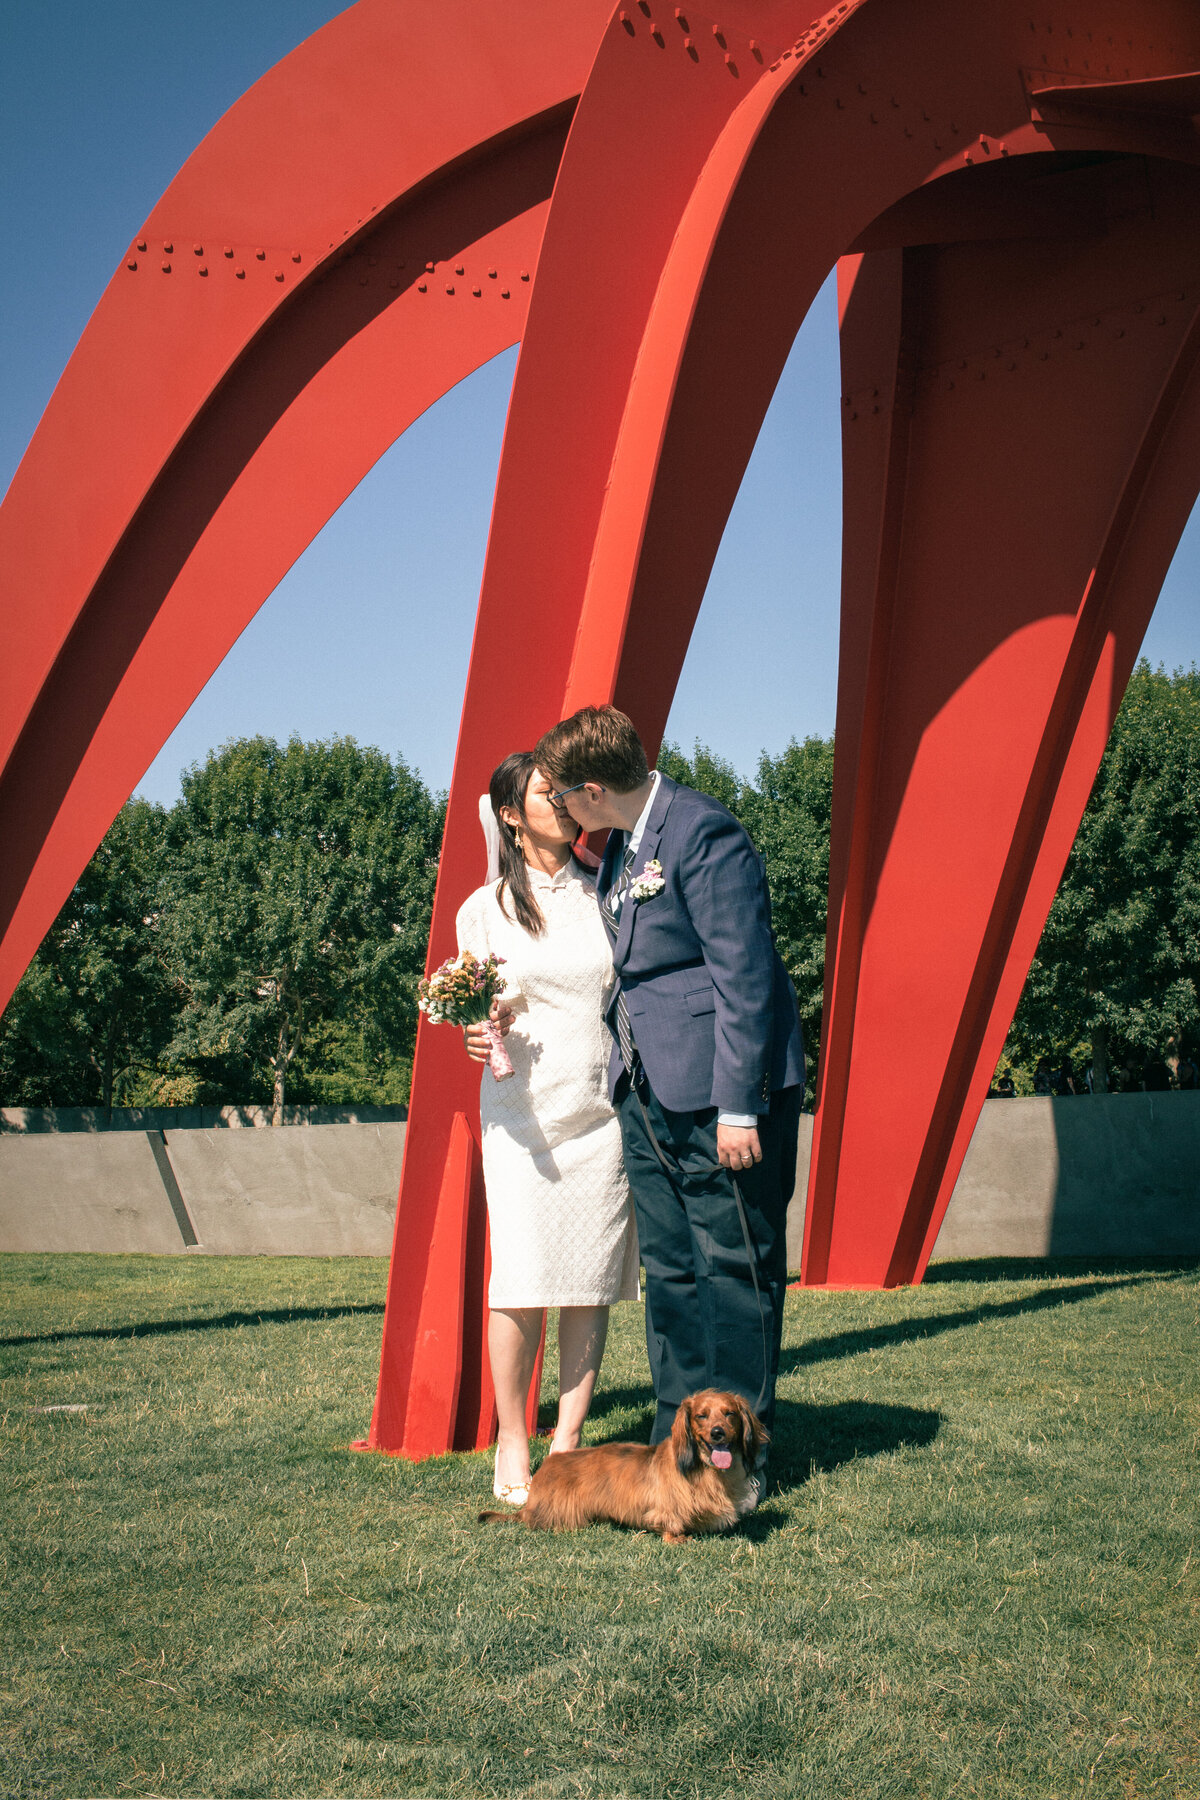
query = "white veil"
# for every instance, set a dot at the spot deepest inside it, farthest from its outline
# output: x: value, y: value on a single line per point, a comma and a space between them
x: 491, y: 837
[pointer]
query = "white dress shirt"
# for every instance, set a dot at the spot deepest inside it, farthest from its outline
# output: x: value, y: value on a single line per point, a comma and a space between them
x: 743, y: 1120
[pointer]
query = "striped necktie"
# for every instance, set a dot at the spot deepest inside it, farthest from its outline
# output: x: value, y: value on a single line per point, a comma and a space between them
x: 610, y: 906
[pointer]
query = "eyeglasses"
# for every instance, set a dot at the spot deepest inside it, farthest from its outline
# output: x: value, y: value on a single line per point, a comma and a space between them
x: 556, y: 799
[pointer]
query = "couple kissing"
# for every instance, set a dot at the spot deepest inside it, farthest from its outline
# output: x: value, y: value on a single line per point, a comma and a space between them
x: 658, y: 1074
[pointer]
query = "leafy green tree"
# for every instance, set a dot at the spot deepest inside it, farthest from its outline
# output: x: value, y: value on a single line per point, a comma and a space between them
x: 1118, y: 964
x: 301, y: 885
x: 96, y: 1003
x: 786, y: 812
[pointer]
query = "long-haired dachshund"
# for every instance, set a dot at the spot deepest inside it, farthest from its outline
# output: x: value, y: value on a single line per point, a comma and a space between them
x: 698, y: 1480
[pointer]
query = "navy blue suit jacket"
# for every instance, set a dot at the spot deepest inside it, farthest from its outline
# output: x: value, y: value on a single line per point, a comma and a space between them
x: 710, y: 1003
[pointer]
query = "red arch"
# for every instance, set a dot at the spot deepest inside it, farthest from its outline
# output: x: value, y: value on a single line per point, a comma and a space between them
x: 1017, y: 208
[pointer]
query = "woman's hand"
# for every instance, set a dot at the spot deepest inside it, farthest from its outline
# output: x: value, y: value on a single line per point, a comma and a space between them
x: 475, y: 1036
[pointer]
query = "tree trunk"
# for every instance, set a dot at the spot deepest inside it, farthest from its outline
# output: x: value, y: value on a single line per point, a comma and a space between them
x: 279, y: 1063
x: 1100, y: 1059
x: 106, y: 1077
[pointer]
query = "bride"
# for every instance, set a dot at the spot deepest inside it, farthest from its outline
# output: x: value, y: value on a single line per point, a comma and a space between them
x: 562, y: 1230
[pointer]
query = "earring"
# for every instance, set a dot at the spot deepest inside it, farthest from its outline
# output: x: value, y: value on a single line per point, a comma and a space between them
x: 517, y: 836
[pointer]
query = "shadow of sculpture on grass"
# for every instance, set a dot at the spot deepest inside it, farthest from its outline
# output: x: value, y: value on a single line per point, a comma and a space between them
x: 228, y: 1321
x: 930, y: 1325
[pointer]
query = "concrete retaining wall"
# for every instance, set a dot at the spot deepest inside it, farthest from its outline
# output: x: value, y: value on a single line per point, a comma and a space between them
x: 1109, y: 1175
x: 1116, y: 1174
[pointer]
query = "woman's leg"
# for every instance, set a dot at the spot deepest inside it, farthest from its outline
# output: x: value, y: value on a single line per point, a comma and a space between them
x: 581, y: 1334
x: 514, y: 1334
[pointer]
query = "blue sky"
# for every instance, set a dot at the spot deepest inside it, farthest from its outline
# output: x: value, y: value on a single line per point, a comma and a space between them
x: 369, y: 633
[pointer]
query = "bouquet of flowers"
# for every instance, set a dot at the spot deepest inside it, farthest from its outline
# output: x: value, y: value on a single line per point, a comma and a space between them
x: 461, y: 993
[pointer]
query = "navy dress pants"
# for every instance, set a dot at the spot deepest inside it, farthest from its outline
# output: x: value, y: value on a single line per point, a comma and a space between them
x: 705, y: 1326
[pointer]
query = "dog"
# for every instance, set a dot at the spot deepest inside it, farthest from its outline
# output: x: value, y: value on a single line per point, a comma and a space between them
x: 698, y: 1480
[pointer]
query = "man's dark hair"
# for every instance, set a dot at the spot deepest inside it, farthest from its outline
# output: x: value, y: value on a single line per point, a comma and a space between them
x: 598, y: 743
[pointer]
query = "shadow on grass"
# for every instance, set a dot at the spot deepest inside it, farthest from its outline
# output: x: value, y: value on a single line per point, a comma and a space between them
x: 639, y: 1399
x: 815, y: 1439
x: 909, y: 1331
x: 229, y: 1321
x: 1045, y: 1268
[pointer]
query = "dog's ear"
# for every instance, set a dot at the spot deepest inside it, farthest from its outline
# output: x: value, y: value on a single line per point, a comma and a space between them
x: 755, y: 1437
x: 682, y: 1441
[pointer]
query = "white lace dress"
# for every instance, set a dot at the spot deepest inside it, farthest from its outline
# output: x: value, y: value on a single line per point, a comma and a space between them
x: 562, y: 1230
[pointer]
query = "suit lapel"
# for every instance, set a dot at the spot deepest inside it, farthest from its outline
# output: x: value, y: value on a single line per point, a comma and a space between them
x: 647, y: 851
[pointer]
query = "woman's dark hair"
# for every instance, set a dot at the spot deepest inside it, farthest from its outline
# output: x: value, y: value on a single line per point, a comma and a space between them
x: 510, y: 780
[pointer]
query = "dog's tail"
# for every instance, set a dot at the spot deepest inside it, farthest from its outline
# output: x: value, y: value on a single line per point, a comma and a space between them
x: 502, y: 1518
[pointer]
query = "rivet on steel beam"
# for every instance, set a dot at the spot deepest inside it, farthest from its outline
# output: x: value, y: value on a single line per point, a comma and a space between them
x: 197, y: 249
x: 491, y: 274
x: 1120, y: 331
x: 166, y: 268
x: 422, y: 287
x: 1162, y: 318
x: 229, y: 250
x: 279, y: 274
x: 363, y: 280
x: 861, y: 88
x: 240, y: 273
x: 261, y: 255
x: 718, y: 34
x: 680, y: 15
x: 458, y: 268
x: 295, y: 256
x: 394, y: 282
x: 1002, y: 147
x: 504, y: 293
x: 656, y: 34
x: 755, y: 52
x: 132, y: 263
x: 730, y: 64
x: 645, y: 6
x: 627, y: 22
x: 429, y: 268
x: 141, y: 243
x: 168, y: 249
x: 371, y: 261
x: 477, y: 292
x: 691, y: 49
x: 449, y: 287
x: 968, y: 158
x: 203, y: 269
x: 524, y: 274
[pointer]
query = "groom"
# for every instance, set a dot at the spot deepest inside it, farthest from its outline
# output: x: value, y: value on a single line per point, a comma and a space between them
x: 707, y: 1065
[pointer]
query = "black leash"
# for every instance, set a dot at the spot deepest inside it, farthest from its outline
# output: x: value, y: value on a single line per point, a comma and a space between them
x: 751, y: 1258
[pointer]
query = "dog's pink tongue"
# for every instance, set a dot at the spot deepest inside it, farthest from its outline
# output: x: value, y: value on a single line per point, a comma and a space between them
x: 722, y: 1459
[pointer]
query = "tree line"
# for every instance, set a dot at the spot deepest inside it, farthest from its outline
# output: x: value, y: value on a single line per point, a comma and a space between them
x: 262, y: 938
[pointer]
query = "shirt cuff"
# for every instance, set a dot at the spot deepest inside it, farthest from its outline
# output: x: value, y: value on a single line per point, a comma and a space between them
x: 744, y: 1121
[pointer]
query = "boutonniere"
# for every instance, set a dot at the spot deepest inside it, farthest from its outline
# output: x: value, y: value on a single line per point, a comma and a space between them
x: 649, y: 882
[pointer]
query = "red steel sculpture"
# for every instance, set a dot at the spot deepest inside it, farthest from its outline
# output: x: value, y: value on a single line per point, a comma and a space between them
x: 649, y: 199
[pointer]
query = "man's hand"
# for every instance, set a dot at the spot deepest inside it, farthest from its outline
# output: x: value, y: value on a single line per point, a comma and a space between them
x: 475, y: 1036
x: 738, y: 1147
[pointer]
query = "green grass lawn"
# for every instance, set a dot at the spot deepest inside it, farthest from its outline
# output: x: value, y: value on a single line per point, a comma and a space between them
x: 978, y: 1574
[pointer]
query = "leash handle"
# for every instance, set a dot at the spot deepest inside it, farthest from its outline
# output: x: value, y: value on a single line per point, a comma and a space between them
x: 751, y: 1258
